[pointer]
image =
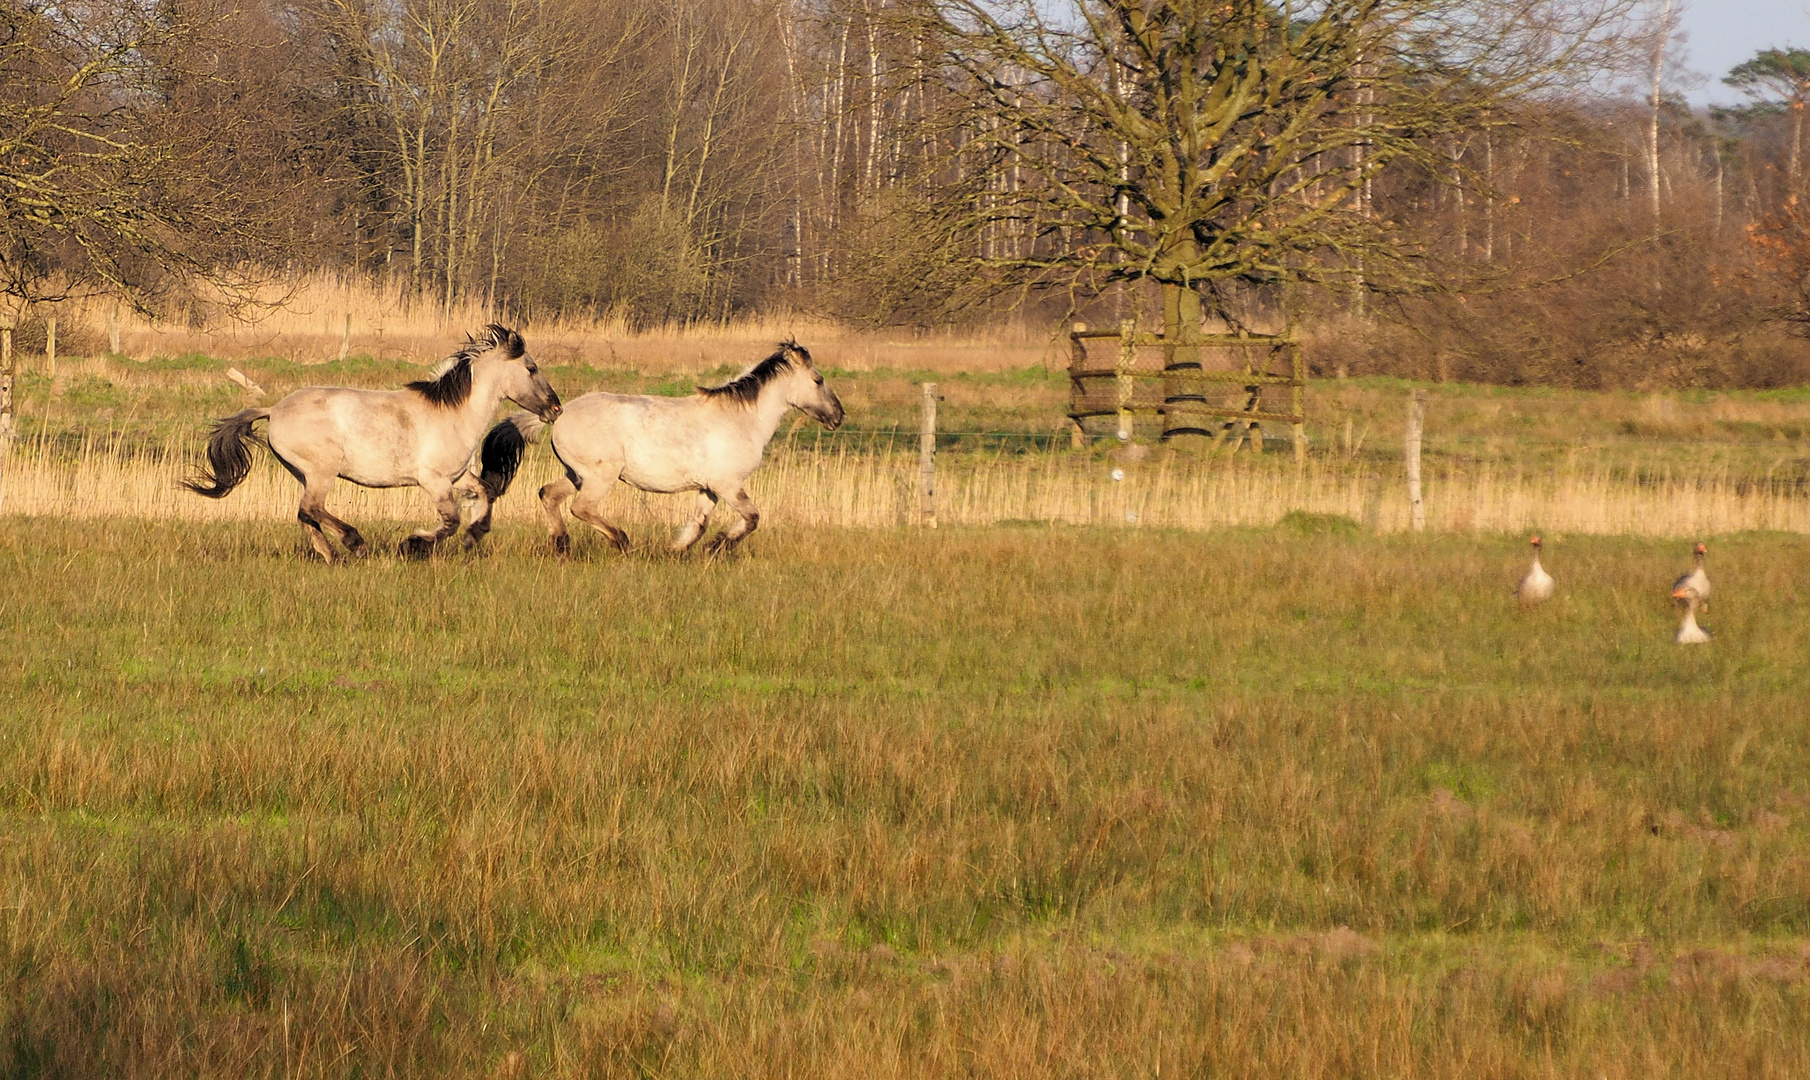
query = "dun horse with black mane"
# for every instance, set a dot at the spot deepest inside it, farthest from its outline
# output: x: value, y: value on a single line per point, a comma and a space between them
x: 707, y: 443
x: 422, y: 435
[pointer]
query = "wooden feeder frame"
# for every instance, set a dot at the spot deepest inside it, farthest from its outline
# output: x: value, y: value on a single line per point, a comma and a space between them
x: 1181, y: 393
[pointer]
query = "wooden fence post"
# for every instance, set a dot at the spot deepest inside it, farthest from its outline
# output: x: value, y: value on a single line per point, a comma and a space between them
x: 50, y: 346
x: 345, y: 337
x: 1417, y: 416
x: 6, y: 399
x: 1128, y: 355
x: 927, y: 458
x: 1077, y: 359
x: 113, y: 331
x: 1297, y: 371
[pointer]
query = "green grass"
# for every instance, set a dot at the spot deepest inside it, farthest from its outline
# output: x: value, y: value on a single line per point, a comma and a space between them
x: 1037, y: 801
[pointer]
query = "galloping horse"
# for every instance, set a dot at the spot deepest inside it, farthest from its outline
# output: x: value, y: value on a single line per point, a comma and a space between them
x: 707, y: 443
x: 424, y: 435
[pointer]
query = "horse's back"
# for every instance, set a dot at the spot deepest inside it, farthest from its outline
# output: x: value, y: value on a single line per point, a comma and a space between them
x: 367, y: 436
x: 654, y: 443
x: 619, y: 418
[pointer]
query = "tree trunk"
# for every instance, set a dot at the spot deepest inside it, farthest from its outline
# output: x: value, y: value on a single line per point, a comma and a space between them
x: 1665, y: 28
x: 1797, y: 143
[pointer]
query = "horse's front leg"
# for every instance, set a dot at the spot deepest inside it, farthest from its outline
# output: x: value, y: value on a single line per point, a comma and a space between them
x: 694, y: 528
x: 472, y: 491
x: 552, y: 497
x: 736, y: 533
x: 446, y: 501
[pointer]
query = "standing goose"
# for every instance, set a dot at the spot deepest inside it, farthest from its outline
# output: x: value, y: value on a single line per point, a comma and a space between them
x: 1689, y: 633
x: 1697, y: 581
x: 1536, y: 587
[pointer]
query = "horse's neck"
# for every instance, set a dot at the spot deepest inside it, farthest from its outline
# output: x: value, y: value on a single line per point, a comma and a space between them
x: 769, y: 409
x: 475, y: 414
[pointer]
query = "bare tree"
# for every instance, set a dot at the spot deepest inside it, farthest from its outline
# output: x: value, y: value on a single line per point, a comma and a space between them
x: 106, y: 182
x: 472, y: 105
x: 1197, y: 143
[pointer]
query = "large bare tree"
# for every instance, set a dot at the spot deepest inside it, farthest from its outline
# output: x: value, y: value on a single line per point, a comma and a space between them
x: 1196, y: 143
x: 128, y: 160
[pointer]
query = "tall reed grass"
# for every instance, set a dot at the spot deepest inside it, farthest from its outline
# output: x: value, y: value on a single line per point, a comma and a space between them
x: 318, y: 316
x: 877, y: 488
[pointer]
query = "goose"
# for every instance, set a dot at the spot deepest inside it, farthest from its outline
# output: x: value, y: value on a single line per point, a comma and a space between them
x: 1697, y: 581
x: 1537, y: 585
x: 1689, y: 633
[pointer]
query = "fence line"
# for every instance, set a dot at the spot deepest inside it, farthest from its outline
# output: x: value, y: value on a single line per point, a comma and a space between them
x: 834, y: 487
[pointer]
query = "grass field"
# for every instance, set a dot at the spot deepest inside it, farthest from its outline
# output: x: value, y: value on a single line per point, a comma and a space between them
x: 1214, y: 770
x: 109, y: 437
x: 1009, y: 802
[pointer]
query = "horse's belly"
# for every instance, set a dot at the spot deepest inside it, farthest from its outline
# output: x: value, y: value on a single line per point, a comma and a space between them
x: 376, y: 479
x: 658, y: 479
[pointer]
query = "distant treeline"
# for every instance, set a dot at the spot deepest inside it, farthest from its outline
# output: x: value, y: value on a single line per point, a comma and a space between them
x: 679, y: 160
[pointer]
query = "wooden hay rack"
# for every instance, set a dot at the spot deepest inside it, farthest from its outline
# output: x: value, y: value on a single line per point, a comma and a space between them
x: 1157, y: 376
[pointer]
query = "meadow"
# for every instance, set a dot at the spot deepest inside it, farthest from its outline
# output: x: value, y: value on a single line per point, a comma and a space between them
x: 1215, y: 770
x: 1033, y: 801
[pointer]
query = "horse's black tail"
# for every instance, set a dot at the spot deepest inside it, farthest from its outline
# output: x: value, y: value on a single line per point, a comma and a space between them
x: 502, y: 453
x: 228, y: 461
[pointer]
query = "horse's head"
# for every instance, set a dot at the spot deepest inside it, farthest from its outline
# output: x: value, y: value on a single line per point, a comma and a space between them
x: 521, y: 378
x: 805, y: 389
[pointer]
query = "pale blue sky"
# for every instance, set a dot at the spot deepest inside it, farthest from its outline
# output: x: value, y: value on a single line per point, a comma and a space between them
x: 1722, y: 33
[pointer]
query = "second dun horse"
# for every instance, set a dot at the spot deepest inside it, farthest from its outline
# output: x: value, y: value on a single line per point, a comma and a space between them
x: 708, y: 443
x: 422, y: 435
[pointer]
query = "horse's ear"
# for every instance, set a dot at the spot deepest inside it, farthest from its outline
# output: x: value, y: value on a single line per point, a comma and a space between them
x: 517, y: 347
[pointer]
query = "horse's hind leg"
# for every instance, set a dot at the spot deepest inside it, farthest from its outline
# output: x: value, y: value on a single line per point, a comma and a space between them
x: 694, y: 528
x: 446, y: 501
x: 318, y: 522
x: 552, y: 496
x: 586, y: 509
x: 316, y: 538
x: 314, y: 516
x: 736, y: 533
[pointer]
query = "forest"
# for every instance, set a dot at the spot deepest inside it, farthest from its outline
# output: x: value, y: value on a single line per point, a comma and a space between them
x: 1511, y: 191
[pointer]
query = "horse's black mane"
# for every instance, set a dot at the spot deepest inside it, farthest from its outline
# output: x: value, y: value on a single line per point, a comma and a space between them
x: 453, y: 386
x: 745, y: 389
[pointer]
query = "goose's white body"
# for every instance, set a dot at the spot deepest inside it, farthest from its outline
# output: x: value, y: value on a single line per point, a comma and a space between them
x: 1538, y: 585
x: 1689, y: 633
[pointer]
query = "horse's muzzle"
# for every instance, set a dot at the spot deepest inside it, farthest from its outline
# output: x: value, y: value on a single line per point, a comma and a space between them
x: 551, y: 412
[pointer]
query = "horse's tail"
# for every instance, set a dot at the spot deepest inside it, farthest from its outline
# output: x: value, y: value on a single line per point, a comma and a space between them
x: 503, y: 449
x: 228, y: 460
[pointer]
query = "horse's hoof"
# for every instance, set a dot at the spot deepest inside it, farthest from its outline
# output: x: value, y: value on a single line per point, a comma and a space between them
x: 414, y: 548
x: 562, y: 546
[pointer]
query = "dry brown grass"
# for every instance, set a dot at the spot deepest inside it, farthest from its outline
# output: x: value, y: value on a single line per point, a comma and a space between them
x: 306, y: 321
x: 1005, y: 802
x: 879, y: 490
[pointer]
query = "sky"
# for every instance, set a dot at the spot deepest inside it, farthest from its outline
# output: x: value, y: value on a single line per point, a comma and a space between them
x: 1722, y: 33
